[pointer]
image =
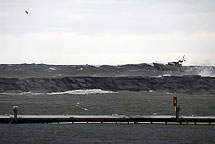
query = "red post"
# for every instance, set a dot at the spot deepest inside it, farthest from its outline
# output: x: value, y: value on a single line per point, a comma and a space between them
x: 175, y: 101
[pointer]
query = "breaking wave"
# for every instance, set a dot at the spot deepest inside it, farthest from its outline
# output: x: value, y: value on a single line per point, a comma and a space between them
x: 202, y: 71
x: 207, y: 72
x: 83, y: 92
x: 77, y: 92
x: 21, y: 93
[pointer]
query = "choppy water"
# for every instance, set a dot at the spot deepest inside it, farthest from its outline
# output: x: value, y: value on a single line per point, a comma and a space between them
x: 123, y: 102
x: 100, y: 102
x: 106, y: 133
x: 42, y: 70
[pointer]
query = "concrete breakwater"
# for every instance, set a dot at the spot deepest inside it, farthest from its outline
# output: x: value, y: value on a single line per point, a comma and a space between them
x: 180, y: 84
x: 150, y: 119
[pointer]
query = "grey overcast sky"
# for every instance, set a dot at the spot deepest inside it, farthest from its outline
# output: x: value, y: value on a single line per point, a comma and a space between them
x: 107, y: 31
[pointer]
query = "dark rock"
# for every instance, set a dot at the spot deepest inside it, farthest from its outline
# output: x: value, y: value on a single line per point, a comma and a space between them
x: 187, y: 84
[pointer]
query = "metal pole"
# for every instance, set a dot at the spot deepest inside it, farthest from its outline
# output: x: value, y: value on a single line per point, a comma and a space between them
x: 15, y: 109
x: 177, y: 108
x: 177, y: 113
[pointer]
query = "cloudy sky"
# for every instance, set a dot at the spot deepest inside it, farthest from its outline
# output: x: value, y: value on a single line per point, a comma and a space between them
x: 107, y: 31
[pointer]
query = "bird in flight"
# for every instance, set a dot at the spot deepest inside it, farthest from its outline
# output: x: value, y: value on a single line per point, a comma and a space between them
x: 26, y: 12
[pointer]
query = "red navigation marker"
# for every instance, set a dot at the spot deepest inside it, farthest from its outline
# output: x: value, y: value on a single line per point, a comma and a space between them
x: 175, y: 101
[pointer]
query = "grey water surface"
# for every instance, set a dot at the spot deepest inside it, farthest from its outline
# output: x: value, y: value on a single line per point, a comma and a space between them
x: 123, y: 102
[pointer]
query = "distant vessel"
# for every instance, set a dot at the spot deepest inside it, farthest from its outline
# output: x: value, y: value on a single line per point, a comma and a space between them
x: 170, y: 65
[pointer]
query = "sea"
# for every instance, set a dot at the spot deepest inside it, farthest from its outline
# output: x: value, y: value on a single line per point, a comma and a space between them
x: 100, y: 102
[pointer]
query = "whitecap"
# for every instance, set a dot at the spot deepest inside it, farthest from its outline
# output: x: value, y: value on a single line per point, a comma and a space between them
x: 150, y: 91
x: 97, y: 66
x: 83, y: 92
x: 52, y: 68
x: 206, y: 72
x: 85, y: 109
x: 169, y: 93
x: 78, y: 92
x: 21, y: 93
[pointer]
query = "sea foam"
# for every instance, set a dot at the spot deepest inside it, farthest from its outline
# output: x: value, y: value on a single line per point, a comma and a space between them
x: 206, y: 72
x: 21, y: 93
x: 83, y: 92
x: 77, y: 92
x: 203, y: 71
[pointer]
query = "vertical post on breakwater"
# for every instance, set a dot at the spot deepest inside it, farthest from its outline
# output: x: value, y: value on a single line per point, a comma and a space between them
x: 15, y: 111
x: 177, y: 113
x: 177, y: 108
